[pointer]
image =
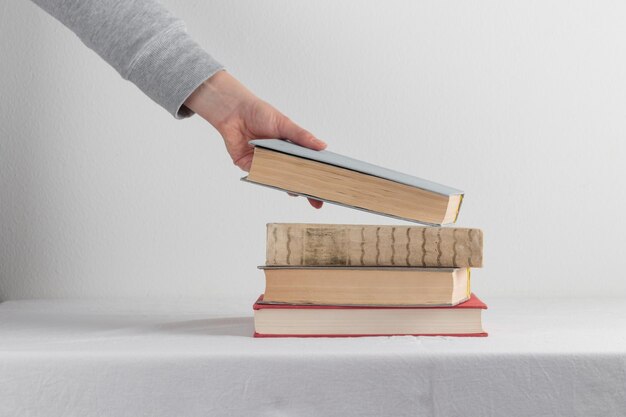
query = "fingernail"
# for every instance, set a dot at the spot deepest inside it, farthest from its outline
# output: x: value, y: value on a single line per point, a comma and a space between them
x: 320, y: 142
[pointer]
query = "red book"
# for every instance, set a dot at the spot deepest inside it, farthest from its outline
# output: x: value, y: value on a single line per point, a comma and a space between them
x: 285, y: 320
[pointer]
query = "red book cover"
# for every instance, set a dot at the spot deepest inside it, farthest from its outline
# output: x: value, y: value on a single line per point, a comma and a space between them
x: 473, y: 302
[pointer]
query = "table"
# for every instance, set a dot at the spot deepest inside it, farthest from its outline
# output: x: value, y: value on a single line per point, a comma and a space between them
x: 197, y: 358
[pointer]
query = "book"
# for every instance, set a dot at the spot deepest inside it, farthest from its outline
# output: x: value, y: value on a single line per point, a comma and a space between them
x: 391, y: 286
x: 295, y: 244
x: 335, y: 178
x: 283, y: 320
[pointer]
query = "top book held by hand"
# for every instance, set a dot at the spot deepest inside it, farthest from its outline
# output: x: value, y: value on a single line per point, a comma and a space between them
x: 338, y: 179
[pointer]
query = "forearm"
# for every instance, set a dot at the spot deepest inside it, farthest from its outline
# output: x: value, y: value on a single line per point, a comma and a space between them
x: 220, y: 99
x: 144, y: 42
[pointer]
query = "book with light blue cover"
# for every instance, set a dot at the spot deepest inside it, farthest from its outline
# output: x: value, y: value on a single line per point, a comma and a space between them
x: 343, y: 162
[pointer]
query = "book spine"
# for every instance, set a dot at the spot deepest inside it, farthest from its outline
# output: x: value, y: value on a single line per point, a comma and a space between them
x: 402, y: 246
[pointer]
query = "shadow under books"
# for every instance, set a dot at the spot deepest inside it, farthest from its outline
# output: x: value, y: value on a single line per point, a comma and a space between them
x: 112, y: 326
x: 222, y: 326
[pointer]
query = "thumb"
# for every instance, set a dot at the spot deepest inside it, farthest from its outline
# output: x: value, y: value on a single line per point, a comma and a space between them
x: 291, y: 131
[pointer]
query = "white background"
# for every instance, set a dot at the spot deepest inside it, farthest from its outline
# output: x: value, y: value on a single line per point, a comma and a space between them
x: 520, y: 104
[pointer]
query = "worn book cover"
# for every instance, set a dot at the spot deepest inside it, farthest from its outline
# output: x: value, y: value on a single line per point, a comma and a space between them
x: 298, y: 244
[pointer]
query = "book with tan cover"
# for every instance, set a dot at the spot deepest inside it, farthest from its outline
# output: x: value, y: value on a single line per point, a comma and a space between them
x: 367, y: 286
x: 298, y: 244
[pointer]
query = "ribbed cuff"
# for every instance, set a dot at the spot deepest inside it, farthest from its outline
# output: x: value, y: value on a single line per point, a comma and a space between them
x: 170, y: 68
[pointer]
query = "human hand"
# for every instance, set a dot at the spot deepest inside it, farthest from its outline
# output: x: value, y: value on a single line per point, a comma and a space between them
x: 240, y: 116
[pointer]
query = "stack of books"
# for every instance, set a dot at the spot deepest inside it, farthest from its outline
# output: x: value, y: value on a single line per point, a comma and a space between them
x: 353, y: 280
x: 331, y: 280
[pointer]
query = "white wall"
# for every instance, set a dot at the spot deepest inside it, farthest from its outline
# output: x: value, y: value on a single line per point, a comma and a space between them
x: 521, y: 104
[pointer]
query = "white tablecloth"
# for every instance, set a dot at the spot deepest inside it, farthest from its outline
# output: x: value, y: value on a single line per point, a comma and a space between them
x: 130, y: 358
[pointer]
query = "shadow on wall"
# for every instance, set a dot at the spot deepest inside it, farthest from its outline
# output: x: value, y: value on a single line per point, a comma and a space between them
x: 26, y: 132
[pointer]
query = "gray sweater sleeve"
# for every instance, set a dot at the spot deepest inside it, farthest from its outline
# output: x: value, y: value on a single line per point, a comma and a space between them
x: 144, y: 42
